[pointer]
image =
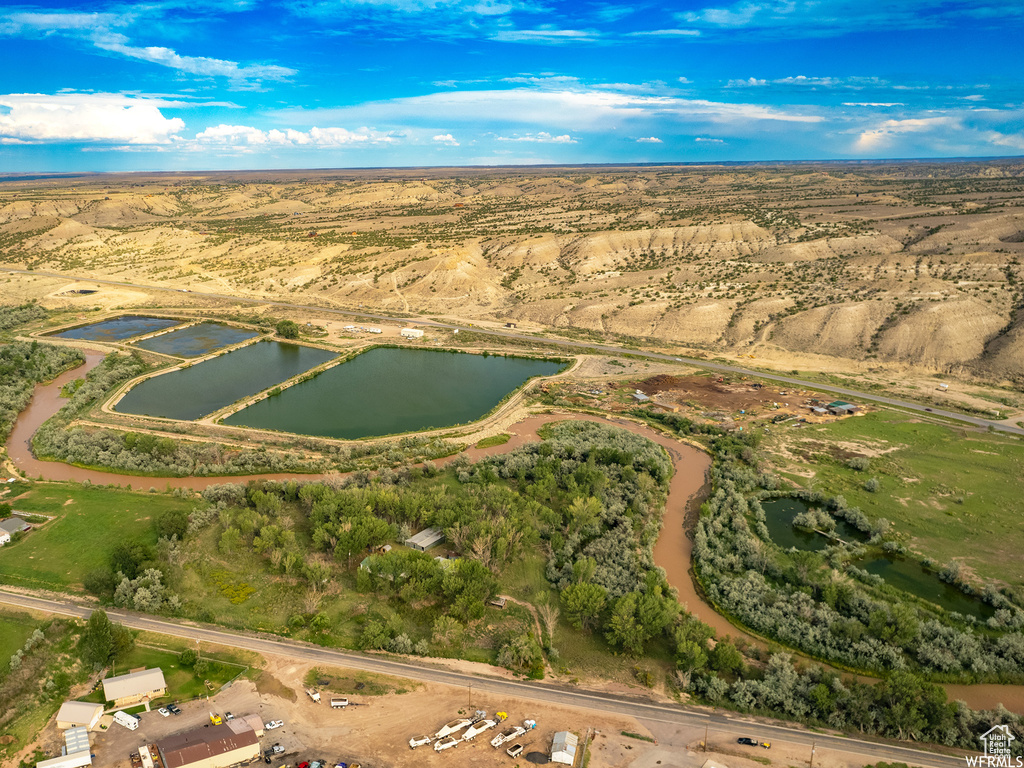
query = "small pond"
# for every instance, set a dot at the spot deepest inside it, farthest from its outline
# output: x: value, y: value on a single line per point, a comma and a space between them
x: 117, y: 328
x: 914, y: 578
x: 779, y: 514
x: 192, y: 393
x: 388, y: 391
x: 196, y: 340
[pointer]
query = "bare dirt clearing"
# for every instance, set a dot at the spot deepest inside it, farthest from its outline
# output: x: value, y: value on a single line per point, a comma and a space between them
x: 908, y: 266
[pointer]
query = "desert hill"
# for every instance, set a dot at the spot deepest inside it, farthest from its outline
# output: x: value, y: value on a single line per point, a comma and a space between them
x: 915, y: 263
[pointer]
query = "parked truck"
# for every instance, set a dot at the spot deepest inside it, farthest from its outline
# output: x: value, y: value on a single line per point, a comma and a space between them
x: 314, y: 695
x: 338, y: 702
x: 131, y: 722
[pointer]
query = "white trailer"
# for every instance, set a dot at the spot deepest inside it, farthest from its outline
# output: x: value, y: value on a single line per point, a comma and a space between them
x: 508, y: 735
x: 338, y: 703
x: 314, y: 695
x: 477, y: 728
x: 131, y: 722
x: 443, y: 744
x: 419, y: 741
x: 455, y: 725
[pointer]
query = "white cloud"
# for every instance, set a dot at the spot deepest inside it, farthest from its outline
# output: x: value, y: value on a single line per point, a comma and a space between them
x: 195, y: 65
x: 101, y: 30
x: 569, y: 110
x: 882, y: 135
x: 703, y: 140
x: 446, y: 138
x: 545, y: 35
x: 247, y: 137
x: 85, y: 117
x: 873, y: 104
x: 665, y: 33
x: 543, y: 137
x: 819, y: 18
x: 649, y: 140
x: 685, y: 80
x: 812, y: 82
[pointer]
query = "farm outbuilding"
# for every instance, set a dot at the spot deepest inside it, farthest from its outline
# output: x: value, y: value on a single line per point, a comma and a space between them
x: 425, y: 539
x: 412, y: 333
x: 211, y: 746
x: 563, y: 747
x: 840, y: 408
x: 134, y: 687
x: 78, y: 713
x: 13, y: 525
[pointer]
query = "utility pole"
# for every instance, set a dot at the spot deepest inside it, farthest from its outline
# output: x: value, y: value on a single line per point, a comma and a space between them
x: 813, y: 744
x: 705, y: 737
x: 471, y: 695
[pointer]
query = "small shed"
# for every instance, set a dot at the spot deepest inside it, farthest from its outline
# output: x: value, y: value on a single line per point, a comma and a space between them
x: 13, y: 525
x: 640, y: 397
x: 840, y: 408
x: 563, y: 747
x: 425, y: 539
x: 247, y: 722
x: 76, y: 740
x: 78, y: 713
x: 77, y: 760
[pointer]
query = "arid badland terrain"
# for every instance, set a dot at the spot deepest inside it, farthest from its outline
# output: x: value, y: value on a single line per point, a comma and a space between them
x: 890, y: 265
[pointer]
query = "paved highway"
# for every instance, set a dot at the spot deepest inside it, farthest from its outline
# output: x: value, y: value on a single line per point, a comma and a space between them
x: 729, y: 726
x: 582, y: 345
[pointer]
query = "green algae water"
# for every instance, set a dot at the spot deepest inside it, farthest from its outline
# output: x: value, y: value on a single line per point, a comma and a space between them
x: 192, y: 393
x: 117, y: 328
x: 197, y: 340
x: 388, y: 391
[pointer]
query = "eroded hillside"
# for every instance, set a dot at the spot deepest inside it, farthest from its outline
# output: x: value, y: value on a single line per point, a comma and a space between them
x: 915, y: 263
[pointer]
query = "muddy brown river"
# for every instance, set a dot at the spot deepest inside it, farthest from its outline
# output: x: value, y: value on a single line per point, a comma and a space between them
x: 672, y: 551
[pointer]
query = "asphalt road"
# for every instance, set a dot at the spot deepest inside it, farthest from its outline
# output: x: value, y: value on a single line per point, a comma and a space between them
x: 582, y: 345
x: 727, y: 725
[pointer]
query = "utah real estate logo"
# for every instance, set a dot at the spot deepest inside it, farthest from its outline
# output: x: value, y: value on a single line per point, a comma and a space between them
x: 998, y: 750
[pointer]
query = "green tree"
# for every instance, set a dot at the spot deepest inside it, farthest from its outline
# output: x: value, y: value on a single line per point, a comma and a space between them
x: 103, y: 641
x: 288, y: 329
x: 725, y: 657
x: 624, y: 628
x: 584, y: 603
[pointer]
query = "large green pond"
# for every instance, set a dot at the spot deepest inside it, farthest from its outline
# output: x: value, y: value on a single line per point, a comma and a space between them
x: 914, y: 578
x: 779, y: 514
x: 899, y: 572
x: 198, y: 391
x: 196, y: 340
x: 387, y: 391
x: 117, y: 328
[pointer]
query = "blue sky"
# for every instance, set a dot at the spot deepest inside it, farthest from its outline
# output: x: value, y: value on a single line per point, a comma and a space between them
x: 234, y: 84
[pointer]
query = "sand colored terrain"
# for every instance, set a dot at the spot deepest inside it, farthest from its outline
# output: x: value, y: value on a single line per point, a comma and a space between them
x: 912, y: 267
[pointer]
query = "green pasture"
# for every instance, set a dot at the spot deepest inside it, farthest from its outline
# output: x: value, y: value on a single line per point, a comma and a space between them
x: 950, y: 492
x: 87, y: 522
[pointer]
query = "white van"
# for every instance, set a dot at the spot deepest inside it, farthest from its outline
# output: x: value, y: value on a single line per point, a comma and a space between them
x: 131, y: 722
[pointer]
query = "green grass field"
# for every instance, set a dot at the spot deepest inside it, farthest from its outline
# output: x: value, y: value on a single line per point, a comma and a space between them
x: 14, y: 631
x: 88, y: 522
x: 182, y: 683
x: 951, y: 493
